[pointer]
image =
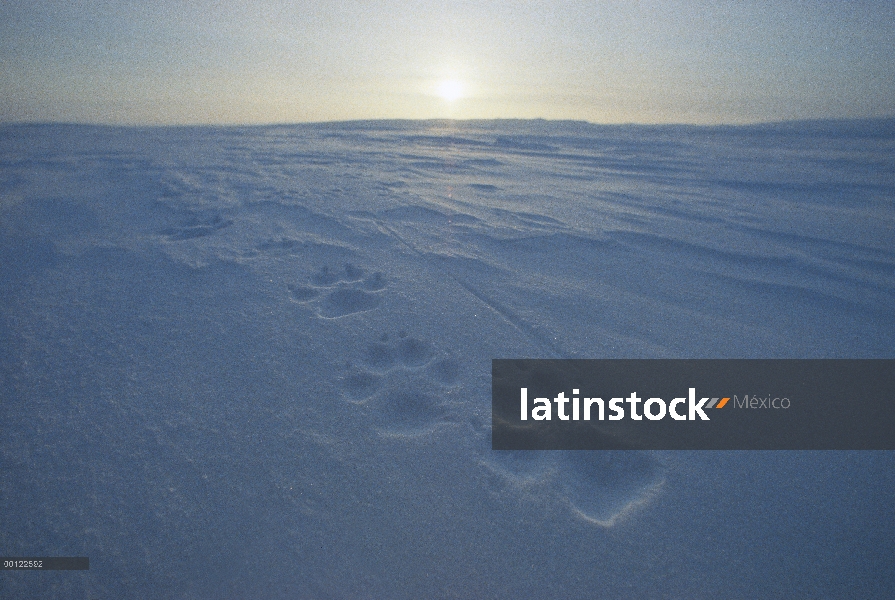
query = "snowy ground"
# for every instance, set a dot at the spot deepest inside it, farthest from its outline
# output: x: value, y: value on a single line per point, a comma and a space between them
x: 255, y: 362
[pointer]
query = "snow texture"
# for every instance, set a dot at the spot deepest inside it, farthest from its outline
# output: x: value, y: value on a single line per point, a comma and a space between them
x: 255, y: 362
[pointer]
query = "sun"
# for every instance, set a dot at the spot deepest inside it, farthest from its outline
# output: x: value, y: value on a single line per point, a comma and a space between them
x: 450, y: 90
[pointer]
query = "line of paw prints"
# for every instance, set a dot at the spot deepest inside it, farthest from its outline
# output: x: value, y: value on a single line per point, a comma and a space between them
x: 336, y: 294
x: 401, y: 383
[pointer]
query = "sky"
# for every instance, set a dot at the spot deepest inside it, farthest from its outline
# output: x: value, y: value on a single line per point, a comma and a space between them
x: 273, y: 61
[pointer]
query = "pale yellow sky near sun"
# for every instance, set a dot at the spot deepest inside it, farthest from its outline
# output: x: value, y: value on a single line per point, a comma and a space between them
x: 276, y: 61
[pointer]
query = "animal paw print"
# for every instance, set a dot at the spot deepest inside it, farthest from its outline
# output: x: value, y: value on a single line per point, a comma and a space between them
x: 411, y: 353
x: 602, y: 486
x: 404, y: 352
x: 599, y: 486
x: 401, y: 382
x: 340, y: 293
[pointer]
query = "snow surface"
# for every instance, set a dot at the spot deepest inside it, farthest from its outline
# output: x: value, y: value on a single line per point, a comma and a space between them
x: 255, y: 362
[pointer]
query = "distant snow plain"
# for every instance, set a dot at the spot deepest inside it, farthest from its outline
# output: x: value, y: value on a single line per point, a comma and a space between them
x: 255, y: 361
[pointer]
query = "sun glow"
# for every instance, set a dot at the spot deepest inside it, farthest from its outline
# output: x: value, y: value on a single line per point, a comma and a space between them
x: 450, y: 90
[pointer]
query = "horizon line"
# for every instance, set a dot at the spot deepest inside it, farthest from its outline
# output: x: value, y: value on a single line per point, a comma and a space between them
x: 384, y: 120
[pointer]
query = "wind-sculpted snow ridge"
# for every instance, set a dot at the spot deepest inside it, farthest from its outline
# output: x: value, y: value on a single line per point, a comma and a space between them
x: 255, y: 361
